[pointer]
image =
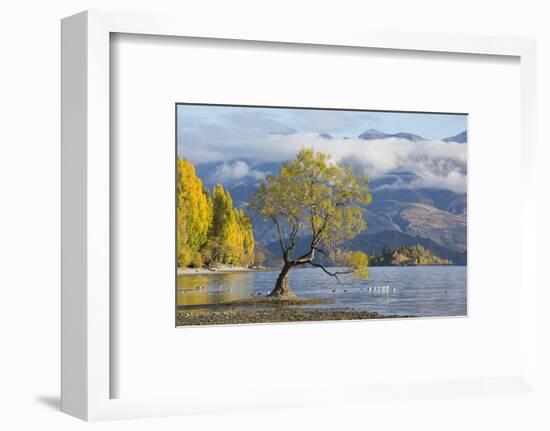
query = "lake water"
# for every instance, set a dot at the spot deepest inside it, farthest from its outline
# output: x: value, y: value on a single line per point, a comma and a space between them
x: 413, y: 290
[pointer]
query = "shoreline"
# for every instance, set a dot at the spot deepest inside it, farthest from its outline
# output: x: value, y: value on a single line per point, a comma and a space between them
x: 228, y: 269
x: 413, y: 266
x: 223, y: 269
x: 279, y: 315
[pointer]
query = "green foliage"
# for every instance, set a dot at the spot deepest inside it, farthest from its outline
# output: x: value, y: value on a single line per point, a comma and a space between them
x: 223, y: 210
x: 212, y: 252
x: 209, y: 229
x: 314, y: 196
x: 408, y: 255
x: 196, y: 260
x: 185, y: 255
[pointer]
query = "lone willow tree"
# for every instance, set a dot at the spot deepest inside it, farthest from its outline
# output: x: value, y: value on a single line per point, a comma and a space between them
x: 314, y: 198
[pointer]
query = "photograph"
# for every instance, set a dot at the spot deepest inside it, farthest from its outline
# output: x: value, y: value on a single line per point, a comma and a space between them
x: 292, y: 214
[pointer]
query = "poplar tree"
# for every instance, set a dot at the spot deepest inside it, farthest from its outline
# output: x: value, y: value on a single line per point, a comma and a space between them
x: 194, y: 213
x: 209, y: 229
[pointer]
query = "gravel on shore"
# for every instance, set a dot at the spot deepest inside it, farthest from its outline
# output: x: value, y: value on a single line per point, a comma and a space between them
x: 237, y: 316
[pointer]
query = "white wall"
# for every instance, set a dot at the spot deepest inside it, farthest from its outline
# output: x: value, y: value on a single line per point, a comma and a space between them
x: 29, y: 194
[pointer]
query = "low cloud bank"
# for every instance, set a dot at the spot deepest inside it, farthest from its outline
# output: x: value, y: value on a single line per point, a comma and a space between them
x: 235, y: 171
x: 435, y: 163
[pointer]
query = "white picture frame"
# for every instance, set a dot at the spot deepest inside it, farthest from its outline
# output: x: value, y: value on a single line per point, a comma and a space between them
x: 86, y: 311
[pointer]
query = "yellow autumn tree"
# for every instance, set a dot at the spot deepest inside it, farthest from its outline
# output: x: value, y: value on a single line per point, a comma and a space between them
x: 209, y: 229
x: 246, y: 238
x: 194, y: 214
x: 231, y: 239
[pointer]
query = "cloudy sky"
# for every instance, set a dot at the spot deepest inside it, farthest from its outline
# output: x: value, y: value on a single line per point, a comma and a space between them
x: 239, y: 138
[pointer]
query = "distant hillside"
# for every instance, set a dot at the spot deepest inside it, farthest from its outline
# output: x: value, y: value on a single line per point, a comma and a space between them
x: 263, y: 256
x: 461, y: 138
x: 408, y: 256
x: 375, y: 244
x: 376, y: 134
x: 391, y: 239
x: 433, y: 213
x: 421, y: 221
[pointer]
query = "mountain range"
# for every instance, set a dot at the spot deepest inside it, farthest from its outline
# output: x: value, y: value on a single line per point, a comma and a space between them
x: 375, y: 134
x: 404, y: 210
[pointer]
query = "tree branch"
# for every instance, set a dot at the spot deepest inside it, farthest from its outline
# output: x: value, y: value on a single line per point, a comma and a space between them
x: 283, y: 247
x: 332, y: 274
x: 295, y: 226
x: 315, y: 240
x: 324, y: 253
x: 306, y: 258
x: 312, y: 219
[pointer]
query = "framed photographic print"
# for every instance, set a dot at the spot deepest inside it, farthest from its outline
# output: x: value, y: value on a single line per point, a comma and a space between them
x: 267, y: 218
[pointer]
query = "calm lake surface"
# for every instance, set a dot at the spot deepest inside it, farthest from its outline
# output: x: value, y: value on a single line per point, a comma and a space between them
x: 418, y: 290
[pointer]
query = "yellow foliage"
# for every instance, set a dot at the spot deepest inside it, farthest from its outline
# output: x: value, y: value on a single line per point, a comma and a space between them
x: 194, y: 207
x: 313, y: 195
x: 359, y: 262
x: 232, y: 228
x: 196, y: 260
x: 209, y: 230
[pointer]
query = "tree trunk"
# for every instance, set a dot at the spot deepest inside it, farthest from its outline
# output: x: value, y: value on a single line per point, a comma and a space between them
x: 281, y: 286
